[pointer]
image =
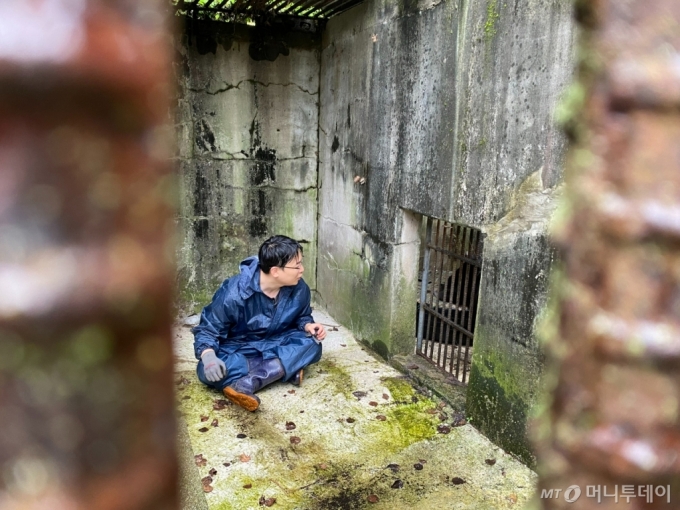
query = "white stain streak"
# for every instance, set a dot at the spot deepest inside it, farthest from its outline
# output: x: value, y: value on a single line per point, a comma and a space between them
x: 35, y: 31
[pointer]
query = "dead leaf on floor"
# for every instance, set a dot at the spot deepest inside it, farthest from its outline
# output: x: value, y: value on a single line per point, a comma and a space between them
x: 290, y: 425
x: 359, y: 394
x: 381, y: 417
x: 226, y: 464
x: 204, y: 418
x: 291, y: 392
x: 241, y: 436
x: 267, y: 501
x: 490, y: 462
x: 207, y: 488
x: 512, y: 498
x: 343, y: 345
x: 248, y: 486
x: 422, y: 461
x: 199, y: 460
x: 214, y: 423
x: 244, y: 458
x: 393, y: 467
x: 398, y: 484
x: 385, y: 396
x: 456, y: 480
x: 295, y: 440
x: 432, y: 411
x: 203, y: 429
x: 412, y: 366
x: 182, y: 381
x: 323, y: 466
x: 206, y: 480
x: 212, y: 472
x: 373, y: 403
x: 373, y: 498
x: 417, y: 466
x: 443, y: 429
x: 458, y: 420
x: 220, y: 404
x: 350, y: 420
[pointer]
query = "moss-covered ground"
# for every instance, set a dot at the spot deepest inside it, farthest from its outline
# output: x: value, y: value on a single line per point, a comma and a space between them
x: 355, y: 435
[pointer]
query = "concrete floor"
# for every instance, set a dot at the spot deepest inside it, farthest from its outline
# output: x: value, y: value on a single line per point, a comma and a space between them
x: 356, y: 435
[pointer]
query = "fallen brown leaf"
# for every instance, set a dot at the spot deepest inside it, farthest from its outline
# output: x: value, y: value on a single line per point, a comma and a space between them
x: 372, y: 498
x: 206, y: 480
x: 199, y: 460
x: 214, y: 423
x: 373, y: 403
x: 220, y: 404
x: 212, y: 472
x: 248, y: 486
x: 204, y: 418
x: 393, y: 467
x: 359, y: 394
x: 490, y: 462
x: 417, y: 466
x: 381, y: 417
x: 398, y: 484
x: 350, y: 420
x: 244, y: 458
x: 291, y: 392
x: 323, y: 466
x: 456, y: 480
x: 432, y: 411
x: 386, y: 396
x: 241, y: 435
x: 290, y: 425
x: 412, y: 366
x: 295, y: 440
x: 203, y: 429
x: 343, y: 345
x: 443, y: 429
x: 207, y: 488
x: 226, y: 464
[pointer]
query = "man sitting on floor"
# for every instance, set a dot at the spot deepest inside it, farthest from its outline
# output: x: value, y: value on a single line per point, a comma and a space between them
x: 259, y: 327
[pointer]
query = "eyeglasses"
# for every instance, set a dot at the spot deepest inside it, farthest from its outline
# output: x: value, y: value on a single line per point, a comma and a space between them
x: 298, y: 267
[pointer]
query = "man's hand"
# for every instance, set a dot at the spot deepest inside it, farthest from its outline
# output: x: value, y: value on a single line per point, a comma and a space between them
x: 214, y: 367
x: 316, y: 330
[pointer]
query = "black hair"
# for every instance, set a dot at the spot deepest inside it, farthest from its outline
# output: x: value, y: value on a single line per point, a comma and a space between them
x: 277, y: 251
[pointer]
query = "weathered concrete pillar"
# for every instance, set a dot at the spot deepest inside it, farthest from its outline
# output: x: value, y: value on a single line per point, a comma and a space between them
x: 614, y: 415
x: 86, y: 273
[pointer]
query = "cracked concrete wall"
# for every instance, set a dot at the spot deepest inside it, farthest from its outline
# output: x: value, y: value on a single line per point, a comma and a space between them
x: 445, y: 109
x: 247, y: 152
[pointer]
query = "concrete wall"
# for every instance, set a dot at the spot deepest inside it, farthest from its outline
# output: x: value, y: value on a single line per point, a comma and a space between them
x: 444, y: 109
x: 247, y: 156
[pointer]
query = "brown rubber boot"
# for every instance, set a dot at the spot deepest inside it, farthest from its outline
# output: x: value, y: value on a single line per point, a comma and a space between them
x: 297, y: 380
x: 242, y: 391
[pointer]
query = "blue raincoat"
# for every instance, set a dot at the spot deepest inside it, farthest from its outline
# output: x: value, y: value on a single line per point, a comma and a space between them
x: 242, y: 323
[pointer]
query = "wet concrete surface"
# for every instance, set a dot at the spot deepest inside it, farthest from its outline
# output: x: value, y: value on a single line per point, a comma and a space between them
x: 355, y: 435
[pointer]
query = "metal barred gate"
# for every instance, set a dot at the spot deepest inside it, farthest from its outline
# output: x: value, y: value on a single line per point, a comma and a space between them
x: 451, y: 260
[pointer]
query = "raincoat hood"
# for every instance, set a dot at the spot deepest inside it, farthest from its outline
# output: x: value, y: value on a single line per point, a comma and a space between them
x: 249, y: 279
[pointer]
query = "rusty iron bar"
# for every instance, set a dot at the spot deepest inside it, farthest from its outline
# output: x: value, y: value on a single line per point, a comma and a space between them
x: 443, y: 316
x: 613, y: 415
x: 86, y: 270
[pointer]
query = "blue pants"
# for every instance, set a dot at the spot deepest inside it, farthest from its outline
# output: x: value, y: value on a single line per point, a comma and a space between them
x: 294, y: 348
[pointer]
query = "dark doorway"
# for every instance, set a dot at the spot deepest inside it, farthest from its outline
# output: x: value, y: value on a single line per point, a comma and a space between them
x: 451, y: 263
